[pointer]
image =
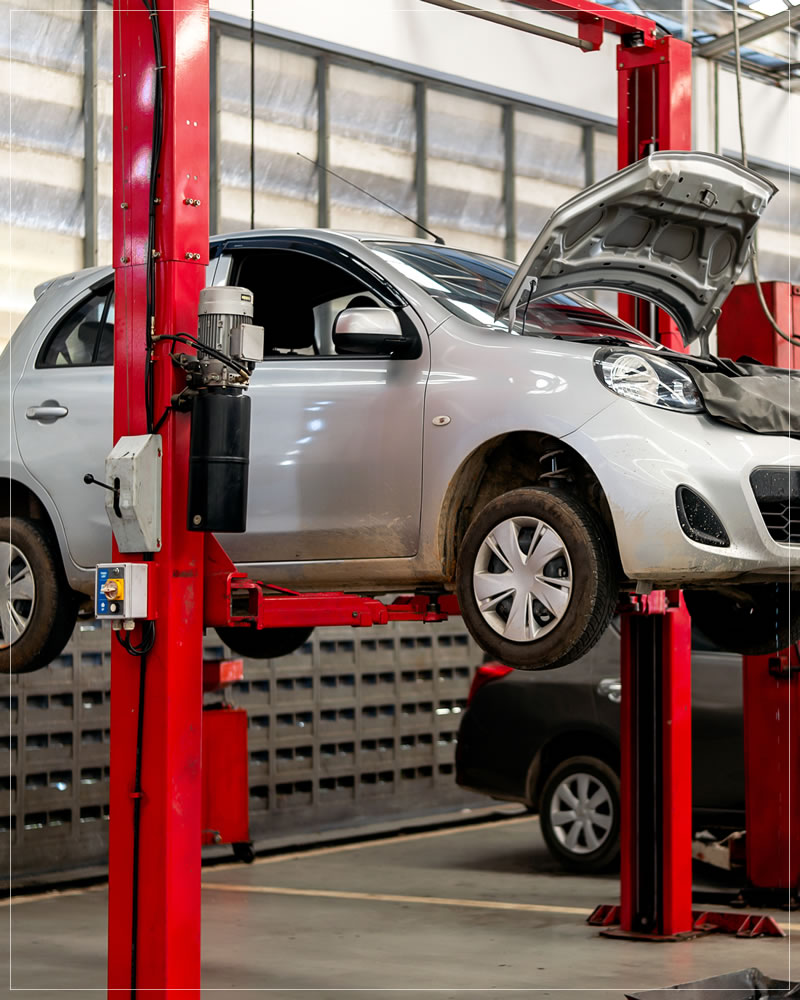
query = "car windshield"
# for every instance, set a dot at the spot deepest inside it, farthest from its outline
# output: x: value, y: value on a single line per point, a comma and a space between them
x: 470, y: 286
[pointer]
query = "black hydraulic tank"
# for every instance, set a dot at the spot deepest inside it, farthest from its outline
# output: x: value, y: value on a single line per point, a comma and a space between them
x: 219, y: 459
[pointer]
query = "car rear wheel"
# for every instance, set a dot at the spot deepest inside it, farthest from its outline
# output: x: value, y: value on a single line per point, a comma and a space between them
x: 752, y: 620
x: 37, y: 606
x: 264, y: 643
x: 535, y: 579
x: 579, y: 814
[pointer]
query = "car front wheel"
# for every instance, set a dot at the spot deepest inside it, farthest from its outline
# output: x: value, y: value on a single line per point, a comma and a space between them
x: 579, y: 814
x: 37, y: 606
x: 535, y: 579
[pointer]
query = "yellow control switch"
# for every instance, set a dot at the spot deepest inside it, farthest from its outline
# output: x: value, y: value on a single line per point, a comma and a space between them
x: 114, y: 589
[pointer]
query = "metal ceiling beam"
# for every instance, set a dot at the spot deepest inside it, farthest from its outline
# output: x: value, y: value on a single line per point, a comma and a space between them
x: 511, y: 22
x: 757, y: 29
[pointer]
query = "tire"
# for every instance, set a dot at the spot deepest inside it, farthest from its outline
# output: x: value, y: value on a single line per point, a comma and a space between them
x: 263, y: 643
x: 753, y: 619
x: 38, y: 609
x: 586, y: 779
x: 519, y: 629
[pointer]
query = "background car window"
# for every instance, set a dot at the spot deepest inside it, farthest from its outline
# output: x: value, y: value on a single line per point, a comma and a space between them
x: 84, y: 337
x: 297, y: 297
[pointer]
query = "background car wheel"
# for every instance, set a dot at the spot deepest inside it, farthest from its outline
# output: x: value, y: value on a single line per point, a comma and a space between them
x: 579, y: 814
x: 37, y: 607
x: 535, y: 580
x: 264, y: 643
x: 753, y: 620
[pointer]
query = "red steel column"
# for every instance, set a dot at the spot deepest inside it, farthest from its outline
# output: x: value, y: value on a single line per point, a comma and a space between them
x: 772, y: 769
x: 656, y: 768
x: 168, y: 940
x: 676, y: 734
x: 654, y: 111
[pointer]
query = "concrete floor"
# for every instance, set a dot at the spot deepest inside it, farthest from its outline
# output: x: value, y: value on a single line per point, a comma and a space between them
x: 471, y: 908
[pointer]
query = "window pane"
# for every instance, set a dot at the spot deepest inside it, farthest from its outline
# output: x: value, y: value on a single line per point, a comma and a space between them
x: 549, y: 168
x: 465, y: 171
x: 285, y: 125
x: 73, y: 342
x: 372, y: 142
x: 105, y: 349
x: 104, y: 130
x: 41, y: 131
x: 605, y: 154
x: 778, y: 232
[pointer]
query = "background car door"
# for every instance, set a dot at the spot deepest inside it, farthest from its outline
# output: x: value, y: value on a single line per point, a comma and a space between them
x: 62, y: 418
x: 336, y: 440
x: 717, y: 724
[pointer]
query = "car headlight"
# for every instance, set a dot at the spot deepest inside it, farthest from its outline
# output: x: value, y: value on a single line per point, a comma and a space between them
x: 650, y: 380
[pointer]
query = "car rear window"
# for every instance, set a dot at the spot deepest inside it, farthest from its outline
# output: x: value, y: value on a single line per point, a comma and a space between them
x: 84, y: 337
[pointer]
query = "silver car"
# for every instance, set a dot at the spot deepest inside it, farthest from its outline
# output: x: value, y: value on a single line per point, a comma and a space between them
x: 431, y: 419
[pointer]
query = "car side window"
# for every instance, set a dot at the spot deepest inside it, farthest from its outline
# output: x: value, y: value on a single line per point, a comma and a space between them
x: 297, y: 297
x: 84, y: 337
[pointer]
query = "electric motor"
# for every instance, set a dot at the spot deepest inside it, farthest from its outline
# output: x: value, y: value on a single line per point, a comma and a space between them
x: 224, y: 324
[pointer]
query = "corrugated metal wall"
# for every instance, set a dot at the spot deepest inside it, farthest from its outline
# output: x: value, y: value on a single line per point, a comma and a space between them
x: 358, y: 723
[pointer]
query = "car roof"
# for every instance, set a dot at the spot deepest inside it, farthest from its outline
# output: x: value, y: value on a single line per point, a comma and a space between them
x: 361, y: 237
x: 358, y: 235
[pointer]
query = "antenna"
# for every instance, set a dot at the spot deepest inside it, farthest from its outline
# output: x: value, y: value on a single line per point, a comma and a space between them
x: 385, y: 204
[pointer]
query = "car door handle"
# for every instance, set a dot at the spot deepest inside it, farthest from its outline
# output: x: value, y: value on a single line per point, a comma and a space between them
x: 611, y: 688
x: 49, y: 411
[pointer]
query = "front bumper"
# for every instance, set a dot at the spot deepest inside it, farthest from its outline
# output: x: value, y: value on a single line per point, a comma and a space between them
x: 641, y: 454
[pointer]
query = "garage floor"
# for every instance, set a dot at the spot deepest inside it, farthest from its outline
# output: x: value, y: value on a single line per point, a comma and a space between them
x: 472, y: 907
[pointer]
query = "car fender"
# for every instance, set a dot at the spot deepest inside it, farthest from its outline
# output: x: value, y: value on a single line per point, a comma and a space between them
x: 588, y: 740
x: 76, y: 576
x: 485, y: 384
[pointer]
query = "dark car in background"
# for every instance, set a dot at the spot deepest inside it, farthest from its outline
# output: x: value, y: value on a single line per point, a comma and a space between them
x: 550, y: 740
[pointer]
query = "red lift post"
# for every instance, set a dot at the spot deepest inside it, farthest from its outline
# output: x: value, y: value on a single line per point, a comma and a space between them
x: 158, y: 886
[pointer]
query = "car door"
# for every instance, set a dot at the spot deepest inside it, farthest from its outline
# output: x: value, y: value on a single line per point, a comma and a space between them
x: 336, y: 440
x: 717, y: 724
x: 62, y: 417
x: 717, y: 728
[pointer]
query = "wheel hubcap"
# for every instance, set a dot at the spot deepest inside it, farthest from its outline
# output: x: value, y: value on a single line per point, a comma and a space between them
x: 17, y: 594
x: 522, y: 579
x: 581, y: 813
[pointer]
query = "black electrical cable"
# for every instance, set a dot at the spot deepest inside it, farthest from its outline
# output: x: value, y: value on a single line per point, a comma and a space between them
x: 158, y: 134
x: 141, y: 651
x: 187, y: 338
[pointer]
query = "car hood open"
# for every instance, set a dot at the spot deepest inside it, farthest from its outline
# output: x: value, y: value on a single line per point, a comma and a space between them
x: 674, y: 228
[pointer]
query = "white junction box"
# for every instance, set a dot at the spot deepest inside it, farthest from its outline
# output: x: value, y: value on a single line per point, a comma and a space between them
x: 120, y: 590
x: 134, y: 510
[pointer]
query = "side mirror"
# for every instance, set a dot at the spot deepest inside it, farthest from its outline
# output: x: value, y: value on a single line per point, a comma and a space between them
x: 369, y: 331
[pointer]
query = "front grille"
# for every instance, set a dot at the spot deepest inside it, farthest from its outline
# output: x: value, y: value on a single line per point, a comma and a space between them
x: 777, y: 493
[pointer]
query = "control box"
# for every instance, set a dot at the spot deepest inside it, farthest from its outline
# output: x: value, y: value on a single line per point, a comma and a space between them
x: 120, y: 590
x: 133, y: 468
